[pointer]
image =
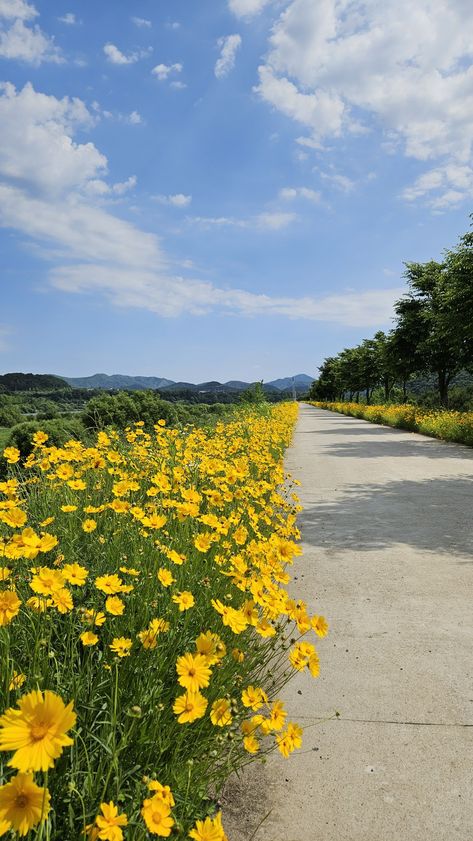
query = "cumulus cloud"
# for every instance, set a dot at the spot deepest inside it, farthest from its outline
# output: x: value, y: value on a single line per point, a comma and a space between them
x: 52, y: 189
x: 19, y: 39
x: 176, y: 200
x: 247, y: 8
x: 17, y: 9
x: 162, y: 71
x: 290, y: 193
x: 115, y: 56
x: 229, y: 46
x: 346, y: 66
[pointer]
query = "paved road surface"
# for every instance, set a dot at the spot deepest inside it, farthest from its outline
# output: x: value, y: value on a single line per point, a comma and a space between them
x: 387, y: 530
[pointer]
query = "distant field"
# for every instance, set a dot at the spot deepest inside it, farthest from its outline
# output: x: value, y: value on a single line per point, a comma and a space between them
x: 4, y: 433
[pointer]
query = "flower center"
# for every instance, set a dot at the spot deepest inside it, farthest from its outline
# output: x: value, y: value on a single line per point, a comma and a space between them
x: 21, y: 801
x: 38, y: 731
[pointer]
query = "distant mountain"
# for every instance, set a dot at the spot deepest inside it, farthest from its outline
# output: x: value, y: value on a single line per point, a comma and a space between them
x: 118, y: 381
x: 301, y: 382
x: 124, y: 382
x: 32, y: 382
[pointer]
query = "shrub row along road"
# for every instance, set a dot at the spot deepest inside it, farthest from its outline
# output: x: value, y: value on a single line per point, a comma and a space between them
x: 387, y: 531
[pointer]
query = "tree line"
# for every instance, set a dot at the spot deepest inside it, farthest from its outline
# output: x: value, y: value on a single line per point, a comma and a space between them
x: 433, y: 335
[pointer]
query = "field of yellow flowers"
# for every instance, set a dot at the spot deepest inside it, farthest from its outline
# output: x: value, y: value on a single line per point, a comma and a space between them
x: 444, y: 424
x: 145, y: 629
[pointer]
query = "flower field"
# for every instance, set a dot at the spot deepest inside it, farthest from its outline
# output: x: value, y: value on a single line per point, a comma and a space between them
x: 444, y: 424
x: 145, y: 628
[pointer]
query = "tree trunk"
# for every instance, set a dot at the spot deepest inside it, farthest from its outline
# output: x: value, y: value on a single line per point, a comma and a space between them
x: 443, y: 380
x: 387, y: 389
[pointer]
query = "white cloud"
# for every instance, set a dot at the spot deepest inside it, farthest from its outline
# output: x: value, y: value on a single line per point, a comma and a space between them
x: 17, y: 9
x: 173, y: 25
x: 51, y: 189
x: 162, y: 71
x: 69, y: 19
x: 178, y: 86
x: 177, y: 200
x: 143, y: 23
x: 344, y: 66
x: 36, y: 145
x: 267, y: 221
x: 229, y: 46
x: 290, y: 193
x: 247, y: 8
x: 134, y: 119
x: 20, y: 41
x: 98, y: 187
x: 341, y: 182
x: 115, y: 56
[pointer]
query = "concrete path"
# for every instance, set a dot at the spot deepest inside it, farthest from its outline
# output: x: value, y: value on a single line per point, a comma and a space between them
x: 387, y: 533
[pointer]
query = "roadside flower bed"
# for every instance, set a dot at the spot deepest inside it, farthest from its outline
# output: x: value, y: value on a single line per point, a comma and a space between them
x: 444, y: 424
x: 145, y: 629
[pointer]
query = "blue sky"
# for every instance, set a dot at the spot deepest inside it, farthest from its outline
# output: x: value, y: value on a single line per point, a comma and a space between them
x: 223, y: 189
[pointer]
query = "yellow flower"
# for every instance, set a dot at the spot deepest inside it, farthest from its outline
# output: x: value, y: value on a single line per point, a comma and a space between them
x: 114, y: 605
x: 319, y: 625
x: 89, y: 638
x: 251, y: 744
x: 130, y: 571
x: 208, y: 830
x: 5, y: 573
x: 121, y: 646
x: 15, y: 518
x: 220, y: 714
x: 62, y: 600
x: 77, y: 484
x: 89, y: 526
x: 203, y: 542
x: 110, y: 584
x: 109, y: 822
x: 9, y: 606
x: 75, y: 574
x: 165, y: 577
x: 193, y: 671
x: 290, y: 739
x: 11, y: 454
x: 211, y: 646
x: 185, y: 600
x: 47, y: 581
x: 93, y: 617
x: 17, y: 680
x: 23, y: 804
x: 157, y: 816
x: 37, y: 730
x: 164, y: 792
x: 68, y: 509
x: 39, y: 438
x: 189, y: 707
x: 254, y: 697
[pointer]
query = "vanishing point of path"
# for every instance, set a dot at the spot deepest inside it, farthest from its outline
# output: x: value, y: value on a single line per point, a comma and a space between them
x: 387, y: 532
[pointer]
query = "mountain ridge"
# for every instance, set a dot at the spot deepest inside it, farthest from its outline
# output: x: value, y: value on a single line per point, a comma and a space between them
x: 114, y: 382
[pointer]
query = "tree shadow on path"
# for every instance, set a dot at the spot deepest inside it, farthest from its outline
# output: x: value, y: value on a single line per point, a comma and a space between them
x: 433, y: 515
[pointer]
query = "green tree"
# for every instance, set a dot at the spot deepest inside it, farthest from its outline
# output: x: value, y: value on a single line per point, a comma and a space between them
x: 427, y: 312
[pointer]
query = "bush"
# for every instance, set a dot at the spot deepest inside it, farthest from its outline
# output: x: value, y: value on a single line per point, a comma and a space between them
x: 59, y: 431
